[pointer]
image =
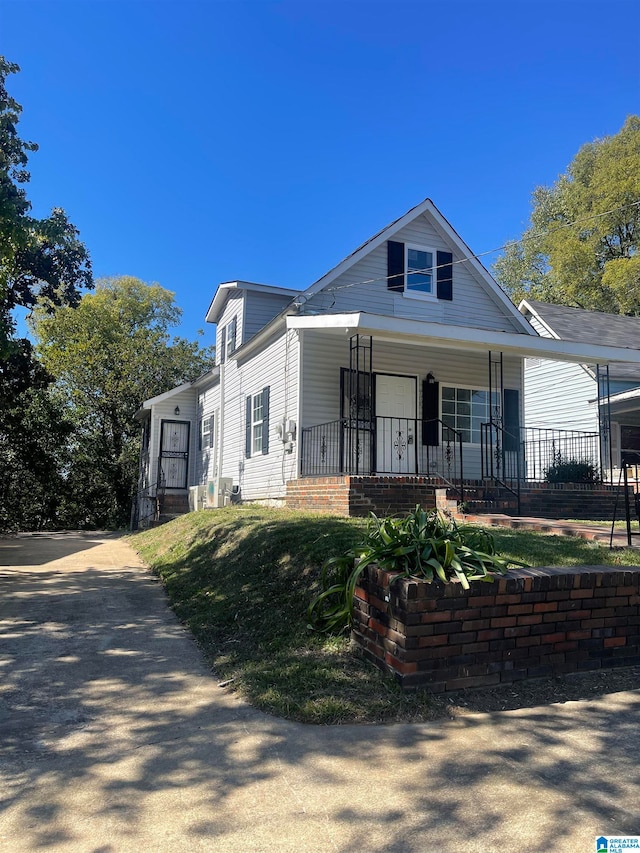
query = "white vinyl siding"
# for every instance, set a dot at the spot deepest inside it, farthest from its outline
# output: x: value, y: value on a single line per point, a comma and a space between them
x: 324, y: 355
x: 260, y: 309
x: 233, y: 310
x: 472, y: 305
x: 165, y: 410
x: 261, y: 477
x: 557, y: 396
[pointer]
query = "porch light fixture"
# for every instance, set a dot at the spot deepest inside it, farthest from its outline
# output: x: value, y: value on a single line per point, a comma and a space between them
x: 431, y: 379
x: 176, y: 411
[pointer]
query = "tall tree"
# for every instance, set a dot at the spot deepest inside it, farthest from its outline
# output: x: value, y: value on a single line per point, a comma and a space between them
x: 42, y: 261
x: 581, y: 247
x: 109, y: 354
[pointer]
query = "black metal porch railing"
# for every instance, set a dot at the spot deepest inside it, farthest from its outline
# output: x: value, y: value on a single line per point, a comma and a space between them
x: 547, y: 449
x: 385, y: 445
x: 501, y: 458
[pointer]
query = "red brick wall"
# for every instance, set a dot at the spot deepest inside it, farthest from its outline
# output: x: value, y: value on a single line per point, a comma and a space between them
x: 360, y: 495
x: 527, y: 624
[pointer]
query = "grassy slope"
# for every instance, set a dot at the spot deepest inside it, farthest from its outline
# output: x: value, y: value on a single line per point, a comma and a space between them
x: 241, y: 580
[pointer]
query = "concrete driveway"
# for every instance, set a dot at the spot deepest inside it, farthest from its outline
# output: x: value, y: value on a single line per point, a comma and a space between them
x: 114, y: 736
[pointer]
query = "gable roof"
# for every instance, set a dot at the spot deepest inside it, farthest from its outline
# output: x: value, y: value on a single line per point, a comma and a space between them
x: 227, y: 287
x: 578, y: 324
x: 428, y: 207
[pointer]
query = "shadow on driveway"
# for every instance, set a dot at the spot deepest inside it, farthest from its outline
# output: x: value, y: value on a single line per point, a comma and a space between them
x: 114, y: 736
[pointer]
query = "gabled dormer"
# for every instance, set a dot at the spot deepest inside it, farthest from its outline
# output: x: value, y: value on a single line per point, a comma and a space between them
x: 240, y: 309
x: 416, y: 268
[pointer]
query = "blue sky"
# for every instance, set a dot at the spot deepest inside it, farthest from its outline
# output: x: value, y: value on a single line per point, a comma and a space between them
x: 199, y: 142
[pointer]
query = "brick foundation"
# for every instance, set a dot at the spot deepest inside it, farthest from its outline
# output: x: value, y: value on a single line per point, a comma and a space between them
x: 351, y: 495
x: 528, y: 624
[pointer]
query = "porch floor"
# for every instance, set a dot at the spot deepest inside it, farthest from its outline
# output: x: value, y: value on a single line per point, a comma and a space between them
x: 555, y: 527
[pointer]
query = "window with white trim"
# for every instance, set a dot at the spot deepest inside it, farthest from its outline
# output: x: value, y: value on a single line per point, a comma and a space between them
x: 257, y: 423
x: 464, y: 409
x: 206, y: 433
x: 419, y: 272
x: 257, y: 419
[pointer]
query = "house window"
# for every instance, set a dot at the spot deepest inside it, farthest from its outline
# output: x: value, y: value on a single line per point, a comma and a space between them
x: 222, y: 348
x: 257, y: 420
x: 257, y: 423
x: 231, y: 336
x: 419, y: 269
x: 206, y: 433
x: 464, y: 409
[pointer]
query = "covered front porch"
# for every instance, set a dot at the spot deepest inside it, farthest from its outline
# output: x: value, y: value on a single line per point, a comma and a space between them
x: 418, y: 406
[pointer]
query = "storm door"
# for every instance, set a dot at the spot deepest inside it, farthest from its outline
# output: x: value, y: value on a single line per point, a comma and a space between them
x: 395, y: 424
x: 174, y: 454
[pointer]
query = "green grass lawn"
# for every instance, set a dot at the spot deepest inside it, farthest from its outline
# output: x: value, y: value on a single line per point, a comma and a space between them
x: 241, y: 579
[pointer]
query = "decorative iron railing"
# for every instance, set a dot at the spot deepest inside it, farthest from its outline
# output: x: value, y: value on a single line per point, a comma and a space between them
x: 501, y: 458
x: 145, y: 507
x: 385, y: 445
x: 561, y: 453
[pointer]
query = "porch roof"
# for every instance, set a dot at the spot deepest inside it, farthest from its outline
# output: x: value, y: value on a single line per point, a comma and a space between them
x: 465, y: 338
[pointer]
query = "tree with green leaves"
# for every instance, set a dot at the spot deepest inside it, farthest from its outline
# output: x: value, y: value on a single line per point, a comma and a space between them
x: 582, y: 245
x: 42, y: 261
x: 107, y: 355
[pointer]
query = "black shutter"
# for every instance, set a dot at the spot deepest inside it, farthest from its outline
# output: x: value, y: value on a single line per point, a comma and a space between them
x: 223, y: 346
x: 265, y: 420
x: 247, y: 442
x: 200, y: 435
x: 511, y: 419
x: 430, y: 413
x: 444, y: 275
x: 395, y: 266
x: 212, y: 424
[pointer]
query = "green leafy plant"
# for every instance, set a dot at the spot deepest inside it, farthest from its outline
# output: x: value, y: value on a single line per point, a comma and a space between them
x: 424, y: 545
x: 570, y: 470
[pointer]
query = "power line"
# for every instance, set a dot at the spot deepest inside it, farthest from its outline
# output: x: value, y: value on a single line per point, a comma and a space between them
x: 524, y: 239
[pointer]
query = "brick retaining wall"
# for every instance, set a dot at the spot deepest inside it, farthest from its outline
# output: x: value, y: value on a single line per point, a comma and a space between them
x: 528, y: 624
x: 569, y: 501
x: 359, y: 495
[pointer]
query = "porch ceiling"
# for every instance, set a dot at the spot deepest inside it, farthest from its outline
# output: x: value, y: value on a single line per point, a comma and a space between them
x: 462, y: 338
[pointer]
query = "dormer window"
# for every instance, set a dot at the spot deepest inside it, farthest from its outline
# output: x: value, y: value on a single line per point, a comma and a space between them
x: 419, y: 269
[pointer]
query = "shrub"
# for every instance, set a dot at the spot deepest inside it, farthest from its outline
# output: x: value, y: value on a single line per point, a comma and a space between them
x: 424, y: 545
x: 570, y: 470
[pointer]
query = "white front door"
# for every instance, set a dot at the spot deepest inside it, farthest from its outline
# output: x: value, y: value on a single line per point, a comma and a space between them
x: 395, y: 424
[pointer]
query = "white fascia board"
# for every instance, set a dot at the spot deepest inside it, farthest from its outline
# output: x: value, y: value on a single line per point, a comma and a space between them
x: 464, y: 338
x: 426, y: 206
x: 220, y: 296
x: 160, y: 398
x: 524, y: 307
x: 209, y: 378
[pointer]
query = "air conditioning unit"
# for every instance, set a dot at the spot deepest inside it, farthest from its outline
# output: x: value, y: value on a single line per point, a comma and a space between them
x: 219, y: 492
x: 197, y: 495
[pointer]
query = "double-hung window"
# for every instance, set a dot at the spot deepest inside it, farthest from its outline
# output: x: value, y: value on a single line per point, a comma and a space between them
x: 419, y: 277
x: 419, y: 271
x: 206, y: 433
x: 257, y: 423
x: 227, y: 340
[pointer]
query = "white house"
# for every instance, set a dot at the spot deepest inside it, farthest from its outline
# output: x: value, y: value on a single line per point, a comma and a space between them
x: 572, y: 396
x: 403, y: 366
